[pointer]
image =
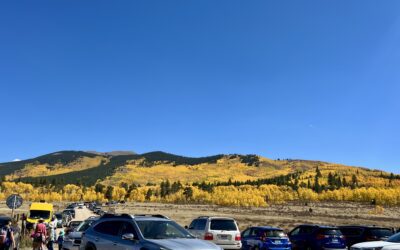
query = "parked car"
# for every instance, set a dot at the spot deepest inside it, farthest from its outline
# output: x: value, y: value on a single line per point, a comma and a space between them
x: 140, y: 232
x: 70, y: 211
x: 222, y: 231
x: 72, y: 240
x: 392, y: 241
x: 317, y: 237
x: 72, y: 225
x: 357, y: 234
x: 265, y: 238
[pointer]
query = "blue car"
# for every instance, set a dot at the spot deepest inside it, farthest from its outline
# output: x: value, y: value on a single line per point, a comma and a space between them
x: 315, y: 237
x: 264, y: 238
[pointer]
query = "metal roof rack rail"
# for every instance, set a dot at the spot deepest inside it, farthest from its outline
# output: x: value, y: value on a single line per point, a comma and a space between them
x: 153, y: 215
x: 110, y: 215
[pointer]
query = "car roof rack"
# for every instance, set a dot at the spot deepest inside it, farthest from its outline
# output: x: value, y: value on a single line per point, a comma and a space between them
x: 152, y: 215
x: 109, y: 215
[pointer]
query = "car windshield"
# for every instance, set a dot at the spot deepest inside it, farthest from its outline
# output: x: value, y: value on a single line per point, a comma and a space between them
x: 381, y: 232
x: 75, y: 223
x: 395, y: 238
x: 84, y: 225
x: 223, y: 224
x: 37, y: 214
x: 152, y: 229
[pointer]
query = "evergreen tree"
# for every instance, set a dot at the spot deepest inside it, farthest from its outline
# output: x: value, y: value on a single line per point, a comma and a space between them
x: 109, y: 193
x: 188, y: 192
x: 149, y: 194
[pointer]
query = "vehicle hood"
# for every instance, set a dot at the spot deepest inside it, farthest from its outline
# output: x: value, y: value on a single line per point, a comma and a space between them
x: 395, y: 246
x: 372, y: 244
x: 186, y: 244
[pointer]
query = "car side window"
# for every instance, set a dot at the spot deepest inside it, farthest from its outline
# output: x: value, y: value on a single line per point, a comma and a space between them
x: 254, y: 232
x: 193, y: 224
x: 295, y: 232
x: 108, y: 227
x: 201, y: 224
x: 306, y: 230
x: 127, y: 228
x: 246, y: 233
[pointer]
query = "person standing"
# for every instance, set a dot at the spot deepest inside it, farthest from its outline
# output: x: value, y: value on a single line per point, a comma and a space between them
x: 60, y: 239
x: 39, y: 236
x: 7, y: 237
x: 52, y: 233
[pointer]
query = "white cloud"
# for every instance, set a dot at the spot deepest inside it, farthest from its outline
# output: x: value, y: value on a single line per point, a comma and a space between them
x: 17, y: 159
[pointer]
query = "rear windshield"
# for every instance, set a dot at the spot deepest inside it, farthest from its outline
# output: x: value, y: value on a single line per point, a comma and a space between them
x: 273, y: 233
x: 351, y: 231
x: 330, y: 231
x: 39, y: 214
x: 381, y: 232
x: 223, y: 224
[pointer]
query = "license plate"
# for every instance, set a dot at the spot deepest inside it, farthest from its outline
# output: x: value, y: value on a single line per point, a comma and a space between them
x: 277, y: 242
x: 335, y: 241
x: 223, y: 236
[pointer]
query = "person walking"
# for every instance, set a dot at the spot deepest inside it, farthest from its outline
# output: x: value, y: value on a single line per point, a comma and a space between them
x: 7, y: 240
x: 60, y: 239
x: 39, y: 236
x: 52, y: 233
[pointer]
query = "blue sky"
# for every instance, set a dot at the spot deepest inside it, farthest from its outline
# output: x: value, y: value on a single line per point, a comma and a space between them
x: 283, y: 79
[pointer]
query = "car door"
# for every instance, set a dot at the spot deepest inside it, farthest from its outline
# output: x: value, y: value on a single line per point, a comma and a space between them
x: 106, y: 234
x: 126, y: 244
x: 253, y: 237
x: 296, y: 239
x: 198, y: 228
x: 245, y: 238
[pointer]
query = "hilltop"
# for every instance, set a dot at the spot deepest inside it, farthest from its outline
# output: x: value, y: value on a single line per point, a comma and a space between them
x: 88, y: 168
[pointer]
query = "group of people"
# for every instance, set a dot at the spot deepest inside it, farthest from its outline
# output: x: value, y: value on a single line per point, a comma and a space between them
x: 44, y: 237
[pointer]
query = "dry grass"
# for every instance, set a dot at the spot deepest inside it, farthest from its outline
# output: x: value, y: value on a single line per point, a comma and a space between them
x: 286, y: 216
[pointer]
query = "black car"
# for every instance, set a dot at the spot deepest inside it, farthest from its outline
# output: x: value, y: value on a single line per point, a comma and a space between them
x: 357, y: 234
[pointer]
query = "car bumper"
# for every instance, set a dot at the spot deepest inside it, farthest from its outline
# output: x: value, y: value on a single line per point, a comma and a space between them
x: 69, y: 245
x: 239, y: 246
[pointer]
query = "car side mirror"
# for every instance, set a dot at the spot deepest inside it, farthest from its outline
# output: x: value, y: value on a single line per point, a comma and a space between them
x: 186, y: 227
x: 128, y: 237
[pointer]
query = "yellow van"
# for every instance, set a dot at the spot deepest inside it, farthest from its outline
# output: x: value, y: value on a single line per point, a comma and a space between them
x: 38, y: 211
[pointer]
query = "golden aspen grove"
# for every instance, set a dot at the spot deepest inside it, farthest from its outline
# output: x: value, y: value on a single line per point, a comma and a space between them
x: 226, y: 180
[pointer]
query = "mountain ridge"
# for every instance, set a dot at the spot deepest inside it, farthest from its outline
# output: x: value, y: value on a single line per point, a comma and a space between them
x: 88, y: 168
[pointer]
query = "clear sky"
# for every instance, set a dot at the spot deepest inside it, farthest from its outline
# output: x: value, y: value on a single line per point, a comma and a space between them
x: 283, y: 79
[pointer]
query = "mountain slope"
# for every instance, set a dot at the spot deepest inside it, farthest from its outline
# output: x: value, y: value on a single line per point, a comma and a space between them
x: 87, y: 168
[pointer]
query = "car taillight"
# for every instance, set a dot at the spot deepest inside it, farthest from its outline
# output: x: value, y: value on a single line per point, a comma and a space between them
x: 320, y: 236
x: 208, y: 236
x: 238, y: 237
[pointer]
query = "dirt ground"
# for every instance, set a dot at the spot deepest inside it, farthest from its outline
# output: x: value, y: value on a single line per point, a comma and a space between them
x: 285, y: 216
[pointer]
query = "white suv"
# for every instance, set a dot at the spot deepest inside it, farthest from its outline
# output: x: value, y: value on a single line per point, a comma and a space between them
x: 222, y: 231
